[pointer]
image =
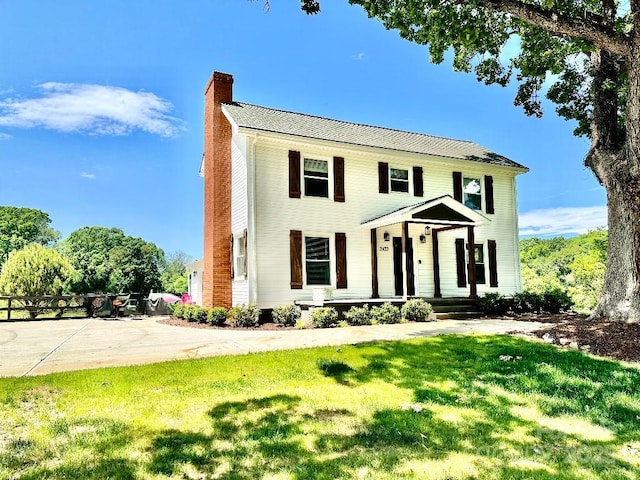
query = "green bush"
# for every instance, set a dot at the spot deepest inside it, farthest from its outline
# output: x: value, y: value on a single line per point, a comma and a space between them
x: 416, y: 310
x: 552, y: 300
x: 286, y: 315
x: 385, y: 313
x: 244, y: 316
x: 494, y: 304
x: 191, y: 313
x: 202, y: 314
x: 358, y: 316
x: 556, y: 300
x: 324, y: 317
x: 178, y: 310
x: 527, y: 302
x: 217, y: 316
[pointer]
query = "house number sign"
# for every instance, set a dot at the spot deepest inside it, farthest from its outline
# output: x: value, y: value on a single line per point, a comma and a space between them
x: 384, y: 249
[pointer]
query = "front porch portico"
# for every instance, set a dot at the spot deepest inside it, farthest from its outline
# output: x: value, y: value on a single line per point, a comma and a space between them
x: 421, y: 221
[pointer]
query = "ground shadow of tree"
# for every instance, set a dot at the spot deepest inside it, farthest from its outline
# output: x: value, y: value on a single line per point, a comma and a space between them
x: 99, y: 446
x: 493, y: 376
x: 484, y: 380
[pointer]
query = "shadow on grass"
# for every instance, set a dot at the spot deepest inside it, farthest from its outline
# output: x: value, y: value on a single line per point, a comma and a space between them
x: 481, y: 407
x: 498, y: 407
x: 99, y: 449
x: 335, y: 369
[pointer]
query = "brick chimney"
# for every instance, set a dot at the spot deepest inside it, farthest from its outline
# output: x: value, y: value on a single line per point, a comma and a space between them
x: 216, y: 290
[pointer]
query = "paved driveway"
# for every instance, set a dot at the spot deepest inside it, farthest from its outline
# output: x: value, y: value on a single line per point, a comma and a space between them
x: 35, y: 348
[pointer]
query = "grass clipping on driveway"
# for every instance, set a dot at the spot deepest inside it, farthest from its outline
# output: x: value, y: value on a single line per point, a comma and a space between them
x: 450, y: 407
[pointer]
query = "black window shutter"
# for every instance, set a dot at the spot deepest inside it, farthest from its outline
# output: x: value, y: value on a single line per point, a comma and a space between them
x: 295, y: 252
x: 488, y: 191
x: 418, y: 186
x: 493, y: 263
x: 457, y: 186
x: 294, y: 174
x: 338, y: 179
x: 383, y: 177
x: 461, y: 266
x: 341, y: 260
x: 231, y: 258
x: 244, y: 263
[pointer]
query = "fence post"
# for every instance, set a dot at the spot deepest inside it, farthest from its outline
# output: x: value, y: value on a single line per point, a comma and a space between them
x: 9, y: 309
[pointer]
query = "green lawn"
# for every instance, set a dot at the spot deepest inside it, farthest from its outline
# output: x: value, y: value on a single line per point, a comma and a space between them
x: 447, y: 407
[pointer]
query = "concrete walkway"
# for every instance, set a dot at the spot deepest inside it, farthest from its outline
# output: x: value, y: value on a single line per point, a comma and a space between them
x: 40, y: 347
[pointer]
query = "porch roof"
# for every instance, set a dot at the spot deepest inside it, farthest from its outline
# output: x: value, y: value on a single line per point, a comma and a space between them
x: 442, y: 210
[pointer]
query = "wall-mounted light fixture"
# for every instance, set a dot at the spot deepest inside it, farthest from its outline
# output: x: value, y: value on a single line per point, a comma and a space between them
x: 427, y: 230
x: 386, y: 236
x: 423, y: 239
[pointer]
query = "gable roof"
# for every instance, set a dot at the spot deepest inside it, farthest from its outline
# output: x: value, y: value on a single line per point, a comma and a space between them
x: 442, y: 210
x: 254, y: 117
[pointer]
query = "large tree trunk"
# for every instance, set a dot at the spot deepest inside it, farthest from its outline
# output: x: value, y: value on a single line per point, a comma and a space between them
x: 615, y: 159
x: 620, y: 299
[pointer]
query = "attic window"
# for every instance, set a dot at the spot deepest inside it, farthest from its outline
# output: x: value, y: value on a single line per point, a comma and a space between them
x: 316, y: 178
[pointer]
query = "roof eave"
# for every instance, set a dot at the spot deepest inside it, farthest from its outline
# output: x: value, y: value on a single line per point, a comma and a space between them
x: 252, y: 131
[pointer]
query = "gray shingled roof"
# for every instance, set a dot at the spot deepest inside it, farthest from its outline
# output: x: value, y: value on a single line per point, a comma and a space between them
x: 308, y: 126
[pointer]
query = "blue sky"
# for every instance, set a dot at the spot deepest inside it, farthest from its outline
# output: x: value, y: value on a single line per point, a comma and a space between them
x: 101, y: 107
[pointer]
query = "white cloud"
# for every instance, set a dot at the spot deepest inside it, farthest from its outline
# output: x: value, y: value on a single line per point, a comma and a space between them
x: 563, y: 220
x: 90, y: 109
x: 5, y: 136
x: 358, y: 56
x: 89, y: 176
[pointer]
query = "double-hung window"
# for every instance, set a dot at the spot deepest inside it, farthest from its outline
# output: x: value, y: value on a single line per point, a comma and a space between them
x: 318, y: 263
x: 479, y: 257
x: 316, y: 178
x: 472, y: 193
x: 240, y: 253
x: 399, y: 179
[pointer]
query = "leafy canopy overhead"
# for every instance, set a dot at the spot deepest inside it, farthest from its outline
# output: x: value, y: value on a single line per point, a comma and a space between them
x: 553, y: 40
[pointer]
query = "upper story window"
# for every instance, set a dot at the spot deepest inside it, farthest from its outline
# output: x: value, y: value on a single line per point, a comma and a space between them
x: 316, y: 178
x: 472, y: 192
x: 399, y: 180
x: 318, y: 263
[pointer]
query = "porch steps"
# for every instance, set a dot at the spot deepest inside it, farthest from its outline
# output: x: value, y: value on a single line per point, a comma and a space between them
x: 454, y: 308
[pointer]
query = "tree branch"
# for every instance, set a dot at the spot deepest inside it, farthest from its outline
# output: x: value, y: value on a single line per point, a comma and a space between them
x: 590, y: 27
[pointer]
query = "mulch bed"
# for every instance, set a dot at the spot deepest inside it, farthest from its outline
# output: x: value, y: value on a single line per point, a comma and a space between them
x: 178, y: 322
x: 619, y: 341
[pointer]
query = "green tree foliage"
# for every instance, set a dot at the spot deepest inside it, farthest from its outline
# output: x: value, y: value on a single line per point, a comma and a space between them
x: 576, y: 265
x: 110, y: 261
x: 175, y: 277
x: 21, y: 226
x: 34, y: 271
x: 591, y: 51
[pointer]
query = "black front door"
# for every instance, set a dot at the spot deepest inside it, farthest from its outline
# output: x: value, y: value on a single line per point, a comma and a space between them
x: 398, y: 269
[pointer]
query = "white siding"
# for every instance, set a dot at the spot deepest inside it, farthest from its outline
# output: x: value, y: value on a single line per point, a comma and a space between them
x: 239, y: 208
x: 277, y: 214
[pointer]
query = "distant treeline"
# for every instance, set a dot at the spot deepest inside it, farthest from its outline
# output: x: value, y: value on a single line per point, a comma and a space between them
x: 576, y: 265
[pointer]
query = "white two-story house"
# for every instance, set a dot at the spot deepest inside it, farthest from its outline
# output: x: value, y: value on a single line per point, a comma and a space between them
x: 299, y: 207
